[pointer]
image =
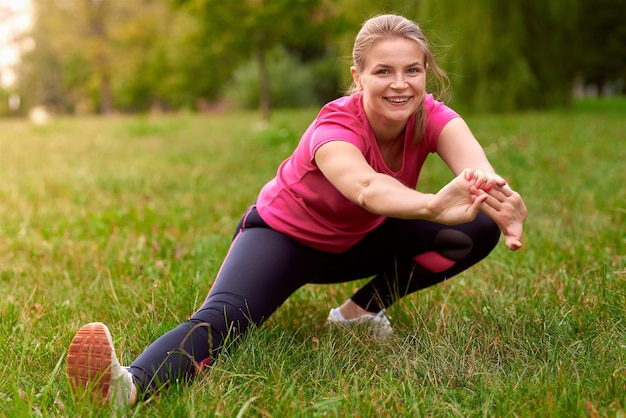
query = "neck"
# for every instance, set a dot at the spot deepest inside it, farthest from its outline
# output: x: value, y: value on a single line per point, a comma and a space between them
x: 387, y: 131
x: 390, y: 136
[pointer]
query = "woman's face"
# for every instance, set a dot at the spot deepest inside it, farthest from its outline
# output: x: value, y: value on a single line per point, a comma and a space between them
x: 393, y: 81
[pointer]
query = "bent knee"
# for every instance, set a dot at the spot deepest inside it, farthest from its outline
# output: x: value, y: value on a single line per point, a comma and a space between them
x: 488, y: 232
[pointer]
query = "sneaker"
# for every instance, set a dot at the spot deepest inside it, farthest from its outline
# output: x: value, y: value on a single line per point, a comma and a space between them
x: 378, y: 325
x: 93, y: 368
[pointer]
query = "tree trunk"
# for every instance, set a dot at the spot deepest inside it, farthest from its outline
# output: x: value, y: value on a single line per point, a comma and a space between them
x: 106, y: 101
x: 97, y: 13
x: 265, y: 98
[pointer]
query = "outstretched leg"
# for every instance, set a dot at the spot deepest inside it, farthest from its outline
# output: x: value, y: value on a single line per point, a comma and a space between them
x: 257, y: 276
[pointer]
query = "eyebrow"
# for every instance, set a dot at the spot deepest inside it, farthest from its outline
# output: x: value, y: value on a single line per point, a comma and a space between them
x: 413, y: 64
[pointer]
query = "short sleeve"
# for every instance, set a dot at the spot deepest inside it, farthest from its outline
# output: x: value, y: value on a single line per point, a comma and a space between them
x: 438, y: 114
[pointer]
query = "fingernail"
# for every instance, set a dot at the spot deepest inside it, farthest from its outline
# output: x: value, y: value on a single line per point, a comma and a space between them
x: 488, y: 187
x: 478, y: 184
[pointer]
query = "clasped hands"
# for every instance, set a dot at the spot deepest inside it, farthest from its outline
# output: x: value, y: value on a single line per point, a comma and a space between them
x: 501, y: 203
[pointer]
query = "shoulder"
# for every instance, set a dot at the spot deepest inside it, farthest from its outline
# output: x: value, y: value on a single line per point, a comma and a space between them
x: 338, y: 120
x: 438, y: 114
x: 434, y: 106
x: 437, y: 111
x: 343, y: 106
x: 345, y: 112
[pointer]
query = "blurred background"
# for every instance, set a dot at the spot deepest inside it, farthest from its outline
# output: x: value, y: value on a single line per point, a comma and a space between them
x: 135, y: 56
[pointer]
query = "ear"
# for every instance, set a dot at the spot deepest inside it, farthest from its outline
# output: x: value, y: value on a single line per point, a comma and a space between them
x: 355, y: 77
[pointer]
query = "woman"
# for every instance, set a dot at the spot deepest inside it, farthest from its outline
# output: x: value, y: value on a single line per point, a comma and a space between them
x: 342, y: 207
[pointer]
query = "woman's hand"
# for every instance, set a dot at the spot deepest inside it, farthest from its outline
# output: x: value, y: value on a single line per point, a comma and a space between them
x: 458, y: 201
x: 485, y: 180
x: 506, y: 207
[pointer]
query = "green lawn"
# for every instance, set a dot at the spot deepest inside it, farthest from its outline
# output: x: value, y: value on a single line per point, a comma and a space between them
x: 125, y: 220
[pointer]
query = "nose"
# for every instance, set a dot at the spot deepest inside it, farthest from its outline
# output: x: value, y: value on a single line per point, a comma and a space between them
x: 399, y: 83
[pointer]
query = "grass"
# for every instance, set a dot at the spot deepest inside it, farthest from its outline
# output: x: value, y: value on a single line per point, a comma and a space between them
x: 125, y: 220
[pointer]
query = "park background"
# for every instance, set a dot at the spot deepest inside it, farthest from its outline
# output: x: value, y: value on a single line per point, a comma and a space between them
x: 110, y: 56
x: 152, y: 126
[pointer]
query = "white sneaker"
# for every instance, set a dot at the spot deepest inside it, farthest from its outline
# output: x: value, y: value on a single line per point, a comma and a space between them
x: 93, y: 368
x: 378, y: 325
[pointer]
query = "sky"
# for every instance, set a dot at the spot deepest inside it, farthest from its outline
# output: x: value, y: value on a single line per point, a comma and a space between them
x: 15, y: 18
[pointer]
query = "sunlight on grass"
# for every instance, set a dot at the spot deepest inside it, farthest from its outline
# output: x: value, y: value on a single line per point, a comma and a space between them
x: 125, y: 220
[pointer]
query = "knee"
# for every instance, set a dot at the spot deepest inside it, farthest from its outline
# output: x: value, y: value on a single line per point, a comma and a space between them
x: 467, y: 243
x: 486, y: 234
x: 225, y: 312
x: 477, y: 238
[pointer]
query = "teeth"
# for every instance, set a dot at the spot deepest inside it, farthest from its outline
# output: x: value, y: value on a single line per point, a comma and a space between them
x: 397, y: 99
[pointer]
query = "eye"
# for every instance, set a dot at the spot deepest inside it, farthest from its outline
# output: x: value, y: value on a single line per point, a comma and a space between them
x: 414, y: 70
x: 382, y: 71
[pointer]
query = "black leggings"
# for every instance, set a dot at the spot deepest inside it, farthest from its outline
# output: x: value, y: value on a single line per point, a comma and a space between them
x: 264, y: 267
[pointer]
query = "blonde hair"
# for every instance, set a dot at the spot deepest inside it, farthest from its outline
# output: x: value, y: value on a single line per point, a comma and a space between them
x: 389, y: 26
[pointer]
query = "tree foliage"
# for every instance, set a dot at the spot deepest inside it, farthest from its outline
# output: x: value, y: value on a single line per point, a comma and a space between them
x: 601, y: 45
x: 505, y: 56
x: 96, y: 55
x: 114, y: 55
x: 239, y: 30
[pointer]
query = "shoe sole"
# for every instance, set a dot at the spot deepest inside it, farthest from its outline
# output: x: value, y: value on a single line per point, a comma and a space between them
x: 88, y: 363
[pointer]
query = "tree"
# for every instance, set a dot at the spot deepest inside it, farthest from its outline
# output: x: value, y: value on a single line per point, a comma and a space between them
x: 238, y: 30
x: 48, y: 71
x: 98, y: 52
x: 601, y: 42
x: 105, y: 55
x: 96, y: 55
x: 506, y: 55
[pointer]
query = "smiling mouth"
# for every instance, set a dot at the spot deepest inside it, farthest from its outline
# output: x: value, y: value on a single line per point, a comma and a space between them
x: 397, y: 100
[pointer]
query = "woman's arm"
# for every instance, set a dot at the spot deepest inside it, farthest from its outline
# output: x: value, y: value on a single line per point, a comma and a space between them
x: 458, y: 147
x: 345, y: 167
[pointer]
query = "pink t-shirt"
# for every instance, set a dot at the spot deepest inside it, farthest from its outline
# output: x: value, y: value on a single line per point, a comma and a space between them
x: 301, y: 203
